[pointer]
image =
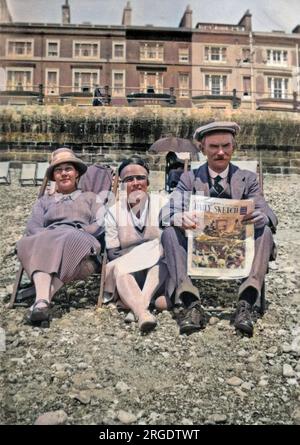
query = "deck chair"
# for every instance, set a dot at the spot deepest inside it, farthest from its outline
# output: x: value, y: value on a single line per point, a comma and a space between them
x: 4, y: 173
x: 28, y: 174
x: 102, y: 177
x: 40, y: 172
x: 255, y: 167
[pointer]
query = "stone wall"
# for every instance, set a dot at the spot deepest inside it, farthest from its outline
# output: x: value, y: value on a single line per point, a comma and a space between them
x: 110, y: 134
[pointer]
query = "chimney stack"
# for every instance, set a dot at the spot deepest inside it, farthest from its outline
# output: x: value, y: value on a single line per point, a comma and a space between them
x: 246, y: 21
x: 5, y: 16
x: 187, y: 18
x: 126, y: 20
x: 66, y: 13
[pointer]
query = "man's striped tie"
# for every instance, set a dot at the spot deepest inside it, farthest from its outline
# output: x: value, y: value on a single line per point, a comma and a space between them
x: 217, y: 186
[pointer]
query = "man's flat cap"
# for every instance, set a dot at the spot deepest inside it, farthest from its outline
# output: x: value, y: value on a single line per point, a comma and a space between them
x: 231, y: 127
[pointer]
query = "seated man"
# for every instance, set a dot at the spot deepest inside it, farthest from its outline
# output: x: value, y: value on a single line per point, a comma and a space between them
x: 216, y: 178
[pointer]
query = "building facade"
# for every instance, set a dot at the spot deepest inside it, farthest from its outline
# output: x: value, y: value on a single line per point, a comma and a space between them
x: 259, y: 70
x: 212, y: 65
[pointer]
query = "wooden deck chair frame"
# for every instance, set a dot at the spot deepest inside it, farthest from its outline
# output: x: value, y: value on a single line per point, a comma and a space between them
x: 19, y: 274
x: 38, y: 180
x: 259, y: 171
x: 104, y: 257
x: 21, y: 270
x: 29, y: 180
x: 5, y: 175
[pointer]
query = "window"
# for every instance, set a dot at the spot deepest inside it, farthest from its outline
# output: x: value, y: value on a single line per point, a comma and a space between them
x: 85, y: 81
x: 19, y: 48
x: 52, y: 82
x: 246, y: 55
x: 53, y: 48
x: 183, y: 55
x: 247, y: 86
x: 118, y: 87
x: 118, y: 50
x: 19, y: 79
x: 278, y: 87
x: 215, y: 84
x: 151, y: 81
x: 151, y: 52
x: 276, y: 57
x: 215, y: 54
x: 184, y: 86
x: 86, y: 50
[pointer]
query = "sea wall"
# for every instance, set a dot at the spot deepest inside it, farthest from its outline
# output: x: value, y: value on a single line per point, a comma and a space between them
x: 108, y: 134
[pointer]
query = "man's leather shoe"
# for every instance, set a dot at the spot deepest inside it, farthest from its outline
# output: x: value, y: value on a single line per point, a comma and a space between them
x: 193, y: 320
x: 242, y: 318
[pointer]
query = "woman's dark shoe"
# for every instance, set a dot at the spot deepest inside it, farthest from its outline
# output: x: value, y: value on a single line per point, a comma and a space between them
x: 39, y: 315
x: 147, y: 322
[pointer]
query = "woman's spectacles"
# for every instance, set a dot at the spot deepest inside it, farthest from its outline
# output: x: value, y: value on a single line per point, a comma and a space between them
x: 139, y: 178
x: 59, y: 170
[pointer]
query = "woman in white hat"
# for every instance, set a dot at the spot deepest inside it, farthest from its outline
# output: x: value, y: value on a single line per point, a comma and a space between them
x: 60, y: 243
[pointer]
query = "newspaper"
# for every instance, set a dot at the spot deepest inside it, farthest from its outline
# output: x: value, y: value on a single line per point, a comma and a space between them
x: 220, y: 247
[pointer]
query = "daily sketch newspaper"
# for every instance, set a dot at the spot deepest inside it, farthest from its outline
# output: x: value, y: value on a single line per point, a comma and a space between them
x: 220, y: 247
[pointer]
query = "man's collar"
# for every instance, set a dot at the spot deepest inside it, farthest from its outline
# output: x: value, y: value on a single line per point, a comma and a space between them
x: 214, y: 174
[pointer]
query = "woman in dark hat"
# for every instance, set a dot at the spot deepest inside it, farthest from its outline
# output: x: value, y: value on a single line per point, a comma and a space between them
x: 60, y: 243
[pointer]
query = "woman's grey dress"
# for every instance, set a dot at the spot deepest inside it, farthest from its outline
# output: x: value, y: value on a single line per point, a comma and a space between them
x: 60, y: 234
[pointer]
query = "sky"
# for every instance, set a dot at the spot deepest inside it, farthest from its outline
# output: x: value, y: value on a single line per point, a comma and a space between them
x: 267, y: 15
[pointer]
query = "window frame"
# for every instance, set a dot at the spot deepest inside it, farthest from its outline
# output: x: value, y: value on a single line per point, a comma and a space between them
x: 184, y: 93
x: 159, y: 81
x: 246, y: 93
x: 86, y: 42
x: 276, y: 92
x: 19, y: 69
x: 114, y: 44
x: 48, y: 41
x: 208, y: 54
x: 188, y: 55
x: 273, y: 59
x: 114, y: 93
x: 47, y: 88
x: 222, y: 87
x: 25, y: 40
x: 144, y: 47
x: 84, y: 71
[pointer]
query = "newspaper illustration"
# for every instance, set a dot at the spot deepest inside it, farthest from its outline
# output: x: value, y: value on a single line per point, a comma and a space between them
x: 220, y: 247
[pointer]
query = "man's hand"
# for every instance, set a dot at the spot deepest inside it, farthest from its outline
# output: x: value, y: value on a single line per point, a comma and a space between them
x: 185, y: 220
x: 256, y: 217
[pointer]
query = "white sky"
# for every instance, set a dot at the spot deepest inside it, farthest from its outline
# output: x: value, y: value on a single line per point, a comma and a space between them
x: 267, y: 15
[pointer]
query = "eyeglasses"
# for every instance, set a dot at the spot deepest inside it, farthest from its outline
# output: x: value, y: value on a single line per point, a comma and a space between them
x: 59, y: 170
x: 139, y: 178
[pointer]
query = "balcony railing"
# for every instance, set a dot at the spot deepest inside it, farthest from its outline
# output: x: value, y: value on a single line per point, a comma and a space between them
x: 63, y: 94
